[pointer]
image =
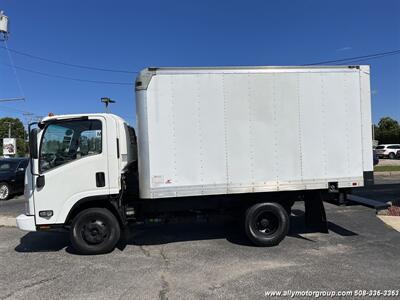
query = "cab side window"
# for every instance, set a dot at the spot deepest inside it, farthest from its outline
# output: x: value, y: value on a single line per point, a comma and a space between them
x: 66, y: 141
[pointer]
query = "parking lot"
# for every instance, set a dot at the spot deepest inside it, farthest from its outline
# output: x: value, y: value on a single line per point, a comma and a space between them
x: 207, y: 260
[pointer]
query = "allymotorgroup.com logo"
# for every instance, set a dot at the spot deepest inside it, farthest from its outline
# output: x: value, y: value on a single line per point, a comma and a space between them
x: 333, y: 294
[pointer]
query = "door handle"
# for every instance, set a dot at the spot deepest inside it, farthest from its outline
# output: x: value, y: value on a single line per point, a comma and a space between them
x: 100, y: 179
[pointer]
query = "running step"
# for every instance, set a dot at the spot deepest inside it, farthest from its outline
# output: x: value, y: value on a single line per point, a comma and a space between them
x: 367, y: 202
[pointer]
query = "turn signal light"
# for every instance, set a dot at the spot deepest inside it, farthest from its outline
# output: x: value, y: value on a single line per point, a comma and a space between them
x: 46, y: 213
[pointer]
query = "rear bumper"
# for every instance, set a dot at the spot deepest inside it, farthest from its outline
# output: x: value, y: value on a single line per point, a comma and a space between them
x: 26, y: 223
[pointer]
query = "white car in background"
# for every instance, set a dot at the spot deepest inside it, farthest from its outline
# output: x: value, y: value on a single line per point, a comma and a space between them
x: 387, y: 150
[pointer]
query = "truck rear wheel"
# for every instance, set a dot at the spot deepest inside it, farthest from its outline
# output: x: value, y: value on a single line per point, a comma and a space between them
x: 95, y: 231
x: 266, y: 224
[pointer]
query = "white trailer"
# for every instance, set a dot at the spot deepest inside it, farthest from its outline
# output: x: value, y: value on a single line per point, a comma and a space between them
x: 255, y: 138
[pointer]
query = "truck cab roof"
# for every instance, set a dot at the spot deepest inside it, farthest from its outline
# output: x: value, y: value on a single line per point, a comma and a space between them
x: 78, y: 116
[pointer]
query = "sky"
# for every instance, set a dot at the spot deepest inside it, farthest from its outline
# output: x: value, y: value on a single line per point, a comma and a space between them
x: 132, y: 35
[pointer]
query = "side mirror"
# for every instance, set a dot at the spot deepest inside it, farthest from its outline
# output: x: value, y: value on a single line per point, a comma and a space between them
x: 40, y: 182
x: 33, y: 146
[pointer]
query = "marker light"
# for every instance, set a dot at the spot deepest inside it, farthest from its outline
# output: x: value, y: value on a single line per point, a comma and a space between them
x: 46, y: 213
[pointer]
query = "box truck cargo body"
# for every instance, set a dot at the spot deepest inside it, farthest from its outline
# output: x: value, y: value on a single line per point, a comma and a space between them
x: 245, y: 140
x: 245, y: 130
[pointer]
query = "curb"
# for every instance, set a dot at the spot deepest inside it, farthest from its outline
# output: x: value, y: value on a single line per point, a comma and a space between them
x: 8, y: 222
x: 391, y: 221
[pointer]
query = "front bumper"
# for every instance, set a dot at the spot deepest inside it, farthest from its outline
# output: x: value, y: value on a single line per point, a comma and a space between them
x: 26, y: 223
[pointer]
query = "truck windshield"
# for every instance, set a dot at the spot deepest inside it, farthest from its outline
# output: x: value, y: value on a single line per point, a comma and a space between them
x: 66, y: 141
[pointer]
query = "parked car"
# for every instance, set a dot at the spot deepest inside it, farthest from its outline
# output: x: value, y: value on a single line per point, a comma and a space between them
x: 387, y: 150
x: 12, y: 174
x: 398, y: 154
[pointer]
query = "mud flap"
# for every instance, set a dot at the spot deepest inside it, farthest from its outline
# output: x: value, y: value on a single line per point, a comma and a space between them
x: 315, y: 216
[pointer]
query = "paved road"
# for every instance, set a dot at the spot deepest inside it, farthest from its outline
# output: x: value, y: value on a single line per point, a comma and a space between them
x: 205, y: 260
x: 389, y: 162
x: 12, y: 207
x: 392, y: 179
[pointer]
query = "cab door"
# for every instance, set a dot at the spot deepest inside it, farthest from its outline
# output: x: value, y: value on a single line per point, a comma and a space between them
x: 72, y: 165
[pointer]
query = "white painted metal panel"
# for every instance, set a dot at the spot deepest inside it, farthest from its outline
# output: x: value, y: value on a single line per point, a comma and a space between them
x: 215, y: 131
x: 263, y: 131
x: 334, y: 103
x: 353, y: 122
x: 237, y: 129
x: 210, y: 103
x: 287, y: 126
x: 366, y: 135
x: 143, y: 144
x: 161, y: 132
x: 313, y: 148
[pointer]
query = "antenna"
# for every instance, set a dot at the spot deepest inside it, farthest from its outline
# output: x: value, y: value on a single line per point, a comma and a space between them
x: 107, y: 101
x: 3, y: 26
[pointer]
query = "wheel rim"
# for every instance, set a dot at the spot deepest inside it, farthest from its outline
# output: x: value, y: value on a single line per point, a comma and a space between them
x: 3, y: 192
x: 95, y: 231
x: 266, y: 223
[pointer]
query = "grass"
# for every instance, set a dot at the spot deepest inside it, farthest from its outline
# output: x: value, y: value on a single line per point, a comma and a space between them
x: 386, y: 168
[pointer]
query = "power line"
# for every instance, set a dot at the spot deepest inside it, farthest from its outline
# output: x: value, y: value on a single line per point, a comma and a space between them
x: 68, y: 78
x: 14, y: 69
x: 370, y: 58
x: 2, y: 107
x: 69, y: 64
x: 336, y: 61
x: 12, y: 99
x: 363, y: 58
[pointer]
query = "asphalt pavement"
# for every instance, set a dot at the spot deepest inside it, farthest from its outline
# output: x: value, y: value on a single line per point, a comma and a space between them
x: 12, y: 207
x: 207, y: 260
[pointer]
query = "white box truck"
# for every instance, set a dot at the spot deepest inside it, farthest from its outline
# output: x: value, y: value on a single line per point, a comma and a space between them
x: 248, y: 139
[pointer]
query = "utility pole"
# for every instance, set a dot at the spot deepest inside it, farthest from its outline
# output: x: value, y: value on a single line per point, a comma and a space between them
x: 107, y: 101
x: 9, y: 128
x: 4, y: 34
x: 28, y: 118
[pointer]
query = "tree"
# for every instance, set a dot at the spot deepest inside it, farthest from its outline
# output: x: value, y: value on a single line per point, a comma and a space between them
x: 17, y: 131
x: 388, y: 123
x: 387, y: 131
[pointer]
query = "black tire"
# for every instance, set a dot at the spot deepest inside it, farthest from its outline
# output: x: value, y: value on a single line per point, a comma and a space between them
x: 266, y: 224
x: 5, y: 192
x: 391, y: 155
x: 94, y: 231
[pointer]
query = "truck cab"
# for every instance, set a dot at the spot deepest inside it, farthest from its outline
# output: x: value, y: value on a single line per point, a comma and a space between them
x: 75, y: 160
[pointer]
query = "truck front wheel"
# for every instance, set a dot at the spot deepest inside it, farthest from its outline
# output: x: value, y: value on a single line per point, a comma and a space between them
x: 266, y: 224
x: 94, y: 231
